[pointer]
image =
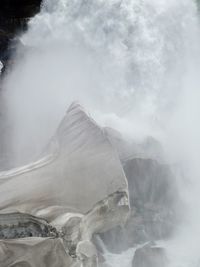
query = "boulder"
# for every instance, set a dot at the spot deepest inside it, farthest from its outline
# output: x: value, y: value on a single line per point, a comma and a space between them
x: 35, y: 252
x: 79, y: 174
x: 150, y: 257
x: 74, y: 236
x: 80, y: 169
x: 20, y: 225
x: 128, y: 149
x: 154, y: 201
x: 152, y: 185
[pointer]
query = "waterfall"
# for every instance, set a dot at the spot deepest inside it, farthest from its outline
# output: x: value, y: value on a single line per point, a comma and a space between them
x: 135, y: 65
x: 124, y: 60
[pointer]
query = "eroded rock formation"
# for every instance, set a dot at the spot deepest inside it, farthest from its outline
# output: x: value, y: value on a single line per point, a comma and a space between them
x: 20, y: 225
x: 78, y: 187
x: 154, y: 203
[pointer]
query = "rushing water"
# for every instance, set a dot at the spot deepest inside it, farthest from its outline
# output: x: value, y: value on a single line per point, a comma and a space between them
x: 135, y: 65
x: 123, y: 60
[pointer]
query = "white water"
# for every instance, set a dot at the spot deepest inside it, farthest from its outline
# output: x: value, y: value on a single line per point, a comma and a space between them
x: 1, y: 67
x: 119, y: 260
x: 123, y: 60
x: 134, y: 64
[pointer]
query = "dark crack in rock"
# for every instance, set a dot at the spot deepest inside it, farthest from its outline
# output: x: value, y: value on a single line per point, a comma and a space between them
x: 21, y: 225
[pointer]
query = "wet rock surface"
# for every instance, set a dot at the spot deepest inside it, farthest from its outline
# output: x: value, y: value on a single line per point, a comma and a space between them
x: 78, y: 154
x: 150, y: 183
x: 78, y: 186
x: 21, y: 225
x: 55, y: 189
x: 154, y: 201
x: 128, y: 149
x: 148, y: 256
x: 59, y: 189
x: 34, y: 252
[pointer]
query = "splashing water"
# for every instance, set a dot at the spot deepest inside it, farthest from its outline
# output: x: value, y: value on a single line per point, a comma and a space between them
x: 134, y: 64
x: 124, y: 60
x: 118, y: 260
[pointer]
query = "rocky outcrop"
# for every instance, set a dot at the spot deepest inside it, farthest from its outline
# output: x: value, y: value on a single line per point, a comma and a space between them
x: 81, y: 169
x: 149, y: 148
x: 78, y: 186
x: 154, y: 202
x: 34, y: 252
x: 20, y: 225
x: 151, y: 184
x: 149, y: 256
x: 74, y: 233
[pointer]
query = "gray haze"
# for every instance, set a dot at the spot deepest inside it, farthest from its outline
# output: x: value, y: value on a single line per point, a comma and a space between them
x: 135, y: 65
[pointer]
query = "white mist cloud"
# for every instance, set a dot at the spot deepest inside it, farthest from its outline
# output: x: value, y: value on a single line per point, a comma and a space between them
x: 116, y: 57
x: 133, y: 64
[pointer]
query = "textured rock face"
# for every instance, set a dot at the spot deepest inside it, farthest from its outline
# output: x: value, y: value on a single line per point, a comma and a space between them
x: 151, y: 184
x: 128, y: 149
x: 79, y: 172
x: 34, y: 252
x: 153, y: 200
x: 74, y: 235
x: 154, y: 197
x: 20, y: 225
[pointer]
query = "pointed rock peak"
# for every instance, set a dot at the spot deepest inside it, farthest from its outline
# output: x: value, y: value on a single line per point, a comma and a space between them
x: 75, y: 106
x: 77, y: 109
x: 85, y: 170
x: 78, y: 129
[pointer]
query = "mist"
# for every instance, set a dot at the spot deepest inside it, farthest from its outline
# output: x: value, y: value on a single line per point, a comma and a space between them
x: 117, y: 59
x: 135, y: 66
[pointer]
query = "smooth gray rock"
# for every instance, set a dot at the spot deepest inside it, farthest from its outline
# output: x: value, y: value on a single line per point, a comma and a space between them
x: 75, y: 236
x: 154, y: 203
x: 20, y: 225
x: 35, y: 252
x: 81, y: 169
x: 150, y: 257
x: 105, y: 215
x: 152, y: 185
x: 79, y: 175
